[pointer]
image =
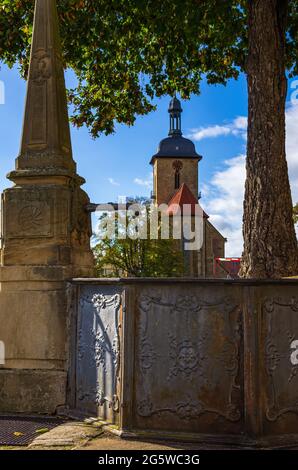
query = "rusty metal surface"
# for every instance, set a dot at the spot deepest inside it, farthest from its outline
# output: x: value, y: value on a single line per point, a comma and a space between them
x: 279, y: 348
x: 188, y: 361
x: 21, y: 431
x: 98, y: 352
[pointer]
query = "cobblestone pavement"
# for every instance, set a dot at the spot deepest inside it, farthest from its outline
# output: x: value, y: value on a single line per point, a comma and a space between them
x: 107, y: 442
x: 86, y: 436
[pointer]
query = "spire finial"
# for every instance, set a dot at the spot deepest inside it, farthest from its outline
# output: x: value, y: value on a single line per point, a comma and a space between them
x: 46, y: 137
x: 175, y: 111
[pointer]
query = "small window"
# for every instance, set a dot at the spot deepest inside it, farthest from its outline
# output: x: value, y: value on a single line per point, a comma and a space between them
x: 177, y: 179
x: 177, y: 166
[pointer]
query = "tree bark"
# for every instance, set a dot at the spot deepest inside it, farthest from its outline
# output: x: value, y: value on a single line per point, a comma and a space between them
x: 270, y: 244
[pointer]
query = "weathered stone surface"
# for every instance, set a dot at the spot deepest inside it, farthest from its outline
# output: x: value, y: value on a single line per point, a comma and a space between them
x: 67, y: 435
x: 47, y: 225
x: 46, y: 137
x: 33, y: 323
x: 31, y: 391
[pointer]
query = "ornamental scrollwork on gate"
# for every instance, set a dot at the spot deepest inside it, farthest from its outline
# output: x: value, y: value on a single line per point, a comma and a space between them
x: 275, y: 358
x: 186, y: 410
x: 101, y: 301
x: 102, y: 348
x: 186, y: 358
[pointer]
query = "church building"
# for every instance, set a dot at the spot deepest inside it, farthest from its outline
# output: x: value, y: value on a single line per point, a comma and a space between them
x: 175, y: 183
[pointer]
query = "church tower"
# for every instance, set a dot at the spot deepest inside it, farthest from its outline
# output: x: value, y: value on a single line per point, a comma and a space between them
x: 175, y: 183
x: 176, y: 161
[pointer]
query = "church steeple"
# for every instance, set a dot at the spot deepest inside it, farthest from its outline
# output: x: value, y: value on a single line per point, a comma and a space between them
x: 46, y: 136
x: 175, y: 111
x: 176, y: 160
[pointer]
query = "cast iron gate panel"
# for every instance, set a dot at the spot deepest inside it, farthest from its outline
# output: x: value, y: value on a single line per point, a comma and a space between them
x: 188, y: 361
x: 279, y: 323
x: 199, y: 358
x: 98, y: 351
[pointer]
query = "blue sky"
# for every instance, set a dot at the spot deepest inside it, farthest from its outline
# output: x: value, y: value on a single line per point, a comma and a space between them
x: 119, y: 164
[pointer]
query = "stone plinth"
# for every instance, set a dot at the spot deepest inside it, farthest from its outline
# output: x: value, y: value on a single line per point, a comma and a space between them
x: 33, y: 327
x: 45, y: 223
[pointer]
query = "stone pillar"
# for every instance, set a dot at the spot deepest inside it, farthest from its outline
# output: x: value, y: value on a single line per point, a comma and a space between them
x: 45, y: 235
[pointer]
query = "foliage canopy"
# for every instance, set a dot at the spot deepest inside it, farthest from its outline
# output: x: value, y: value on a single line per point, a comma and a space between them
x: 131, y: 251
x: 126, y: 52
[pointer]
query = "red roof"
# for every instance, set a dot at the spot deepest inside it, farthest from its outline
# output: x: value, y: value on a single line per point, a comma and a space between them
x: 183, y: 196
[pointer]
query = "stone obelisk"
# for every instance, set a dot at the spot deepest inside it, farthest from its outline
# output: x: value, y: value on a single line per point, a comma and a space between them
x: 44, y: 217
x: 45, y: 235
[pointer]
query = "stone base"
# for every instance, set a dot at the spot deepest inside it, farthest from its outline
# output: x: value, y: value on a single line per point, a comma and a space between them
x: 31, y: 391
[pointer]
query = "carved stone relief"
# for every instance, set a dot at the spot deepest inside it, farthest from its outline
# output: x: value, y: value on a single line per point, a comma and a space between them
x: 29, y: 218
x: 41, y: 66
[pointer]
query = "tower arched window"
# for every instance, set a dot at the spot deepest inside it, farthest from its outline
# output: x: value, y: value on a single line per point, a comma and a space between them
x: 177, y: 179
x: 177, y: 166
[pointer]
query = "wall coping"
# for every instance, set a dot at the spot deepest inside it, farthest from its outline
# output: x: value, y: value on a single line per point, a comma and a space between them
x: 197, y: 281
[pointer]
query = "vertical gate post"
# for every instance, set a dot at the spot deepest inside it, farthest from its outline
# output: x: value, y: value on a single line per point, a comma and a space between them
x: 251, y: 338
x: 128, y: 356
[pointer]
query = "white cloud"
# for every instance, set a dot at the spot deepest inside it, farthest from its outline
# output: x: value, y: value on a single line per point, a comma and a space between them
x: 113, y: 182
x: 292, y: 148
x: 223, y: 196
x: 224, y: 202
x: 237, y: 128
x: 147, y: 183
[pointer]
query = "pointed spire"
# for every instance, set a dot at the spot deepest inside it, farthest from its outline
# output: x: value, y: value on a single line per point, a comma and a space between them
x: 46, y: 136
x: 175, y: 111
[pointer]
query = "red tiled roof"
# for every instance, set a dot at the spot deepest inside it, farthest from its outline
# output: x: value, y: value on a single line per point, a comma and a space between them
x: 182, y: 197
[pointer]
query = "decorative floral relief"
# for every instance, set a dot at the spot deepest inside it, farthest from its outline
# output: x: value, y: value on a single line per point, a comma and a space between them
x: 229, y: 357
x: 101, y: 301
x: 270, y: 303
x: 146, y: 301
x: 189, y: 409
x: 100, y: 399
x: 99, y: 350
x: 145, y: 408
x: 147, y: 356
x: 30, y: 217
x: 186, y: 410
x: 184, y: 303
x: 185, y: 359
x: 188, y: 303
x: 272, y: 357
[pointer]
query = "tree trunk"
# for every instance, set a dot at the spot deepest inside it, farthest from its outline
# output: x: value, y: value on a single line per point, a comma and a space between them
x: 270, y: 244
